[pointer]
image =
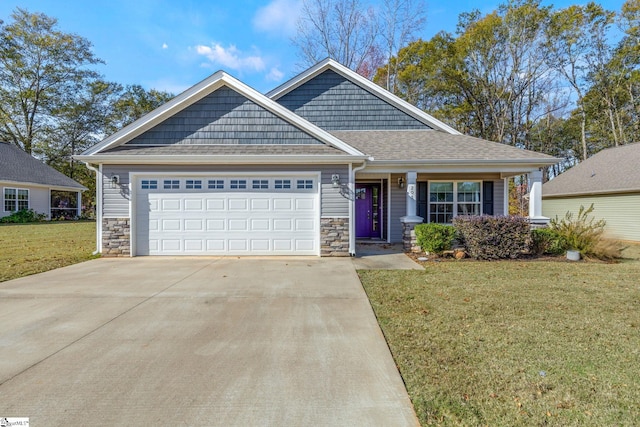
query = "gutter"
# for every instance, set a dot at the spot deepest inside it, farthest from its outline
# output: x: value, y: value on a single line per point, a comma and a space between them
x: 203, y: 159
x: 98, y: 207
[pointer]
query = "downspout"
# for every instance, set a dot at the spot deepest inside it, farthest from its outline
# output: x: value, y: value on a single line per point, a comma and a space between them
x: 98, y: 207
x: 352, y: 192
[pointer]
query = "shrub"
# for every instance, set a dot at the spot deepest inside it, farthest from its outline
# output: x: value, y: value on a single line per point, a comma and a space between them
x: 584, y: 234
x: 493, y: 237
x: 546, y: 241
x: 435, y: 238
x: 23, y: 216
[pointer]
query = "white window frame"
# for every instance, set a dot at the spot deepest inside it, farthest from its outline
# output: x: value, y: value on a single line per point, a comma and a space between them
x: 455, y: 201
x: 282, y: 184
x: 260, y: 184
x: 170, y: 184
x: 304, y: 184
x: 149, y: 184
x: 215, y: 184
x: 193, y: 184
x: 238, y: 184
x: 16, y: 198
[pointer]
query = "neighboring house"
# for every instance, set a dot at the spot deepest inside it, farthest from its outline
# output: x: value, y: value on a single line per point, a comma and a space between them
x: 610, y: 180
x: 27, y: 183
x: 327, y: 158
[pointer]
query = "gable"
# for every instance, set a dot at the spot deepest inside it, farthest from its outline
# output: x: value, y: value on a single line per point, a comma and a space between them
x: 333, y: 102
x: 224, y: 117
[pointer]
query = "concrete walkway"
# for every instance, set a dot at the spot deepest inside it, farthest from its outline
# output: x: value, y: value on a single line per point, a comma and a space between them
x: 197, y: 341
x: 383, y: 256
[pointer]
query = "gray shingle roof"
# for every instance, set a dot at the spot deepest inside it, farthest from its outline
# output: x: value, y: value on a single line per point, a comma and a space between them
x: 16, y: 165
x: 227, y: 150
x: 416, y: 145
x: 613, y: 170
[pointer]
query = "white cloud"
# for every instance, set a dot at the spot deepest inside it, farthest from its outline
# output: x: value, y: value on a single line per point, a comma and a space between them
x: 275, y: 75
x: 165, y: 46
x: 278, y: 17
x: 231, y: 57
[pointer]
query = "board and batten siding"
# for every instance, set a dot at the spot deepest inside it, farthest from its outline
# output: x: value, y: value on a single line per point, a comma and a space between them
x: 620, y: 211
x: 498, y: 197
x: 333, y: 203
x: 333, y: 102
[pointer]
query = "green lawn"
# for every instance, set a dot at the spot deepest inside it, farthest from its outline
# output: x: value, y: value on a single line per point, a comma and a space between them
x: 33, y: 248
x: 515, y: 343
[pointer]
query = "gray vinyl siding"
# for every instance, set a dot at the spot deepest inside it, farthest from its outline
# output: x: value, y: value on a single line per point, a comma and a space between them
x: 398, y: 209
x: 224, y: 117
x: 332, y: 102
x: 620, y: 211
x: 498, y: 197
x: 334, y: 202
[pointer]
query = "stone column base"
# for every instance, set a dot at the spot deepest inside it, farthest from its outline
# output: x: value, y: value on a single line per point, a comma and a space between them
x: 116, y: 237
x: 409, y: 240
x: 334, y: 237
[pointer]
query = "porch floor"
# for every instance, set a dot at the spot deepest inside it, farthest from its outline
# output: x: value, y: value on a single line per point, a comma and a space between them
x: 379, y: 255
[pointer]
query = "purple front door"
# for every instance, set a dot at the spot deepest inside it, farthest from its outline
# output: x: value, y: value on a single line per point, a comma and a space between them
x: 368, y: 211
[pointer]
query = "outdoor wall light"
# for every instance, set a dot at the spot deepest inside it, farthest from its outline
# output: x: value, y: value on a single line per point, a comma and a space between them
x: 401, y: 182
x: 335, y: 180
x: 115, y: 180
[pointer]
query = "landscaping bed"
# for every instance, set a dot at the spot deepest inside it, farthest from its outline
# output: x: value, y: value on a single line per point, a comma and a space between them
x: 515, y: 342
x: 34, y: 248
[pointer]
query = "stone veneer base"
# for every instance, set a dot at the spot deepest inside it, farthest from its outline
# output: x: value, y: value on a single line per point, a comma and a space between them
x: 116, y: 237
x: 334, y: 237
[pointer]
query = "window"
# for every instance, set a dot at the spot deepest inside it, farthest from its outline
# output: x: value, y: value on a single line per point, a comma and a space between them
x: 149, y: 184
x: 16, y: 199
x: 215, y: 184
x: 238, y: 184
x: 194, y: 184
x: 171, y: 184
x: 450, y: 199
x: 304, y: 184
x: 282, y: 184
x: 260, y: 184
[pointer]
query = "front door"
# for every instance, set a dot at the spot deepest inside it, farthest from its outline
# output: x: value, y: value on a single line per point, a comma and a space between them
x: 368, y: 197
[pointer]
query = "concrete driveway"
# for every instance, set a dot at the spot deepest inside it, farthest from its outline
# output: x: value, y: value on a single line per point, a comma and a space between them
x: 197, y: 341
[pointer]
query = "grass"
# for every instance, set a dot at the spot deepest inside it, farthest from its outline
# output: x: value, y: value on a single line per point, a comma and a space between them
x: 33, y: 248
x: 515, y: 343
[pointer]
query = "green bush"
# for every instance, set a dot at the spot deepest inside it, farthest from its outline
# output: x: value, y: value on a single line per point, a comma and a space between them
x: 547, y: 241
x: 493, y: 237
x: 435, y: 238
x: 23, y: 216
x: 584, y: 234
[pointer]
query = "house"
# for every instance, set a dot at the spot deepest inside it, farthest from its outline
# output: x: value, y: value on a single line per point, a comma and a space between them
x: 324, y: 159
x: 27, y: 183
x: 610, y: 180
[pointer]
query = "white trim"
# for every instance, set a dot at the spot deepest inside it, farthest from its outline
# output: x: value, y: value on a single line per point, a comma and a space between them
x: 505, y: 202
x: 4, y: 188
x: 99, y: 206
x: 31, y: 184
x: 330, y: 64
x: 199, y: 91
x: 352, y: 204
x: 389, y: 208
x: 200, y: 159
x: 134, y: 188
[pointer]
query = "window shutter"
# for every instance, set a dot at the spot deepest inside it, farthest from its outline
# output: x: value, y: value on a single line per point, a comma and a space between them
x: 487, y: 197
x: 423, y: 194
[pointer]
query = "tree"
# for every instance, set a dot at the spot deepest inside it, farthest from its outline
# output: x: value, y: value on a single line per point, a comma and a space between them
x: 576, y: 44
x: 132, y: 103
x: 39, y: 65
x: 344, y: 30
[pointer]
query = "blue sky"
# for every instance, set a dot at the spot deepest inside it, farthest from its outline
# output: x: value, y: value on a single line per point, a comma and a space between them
x: 173, y: 44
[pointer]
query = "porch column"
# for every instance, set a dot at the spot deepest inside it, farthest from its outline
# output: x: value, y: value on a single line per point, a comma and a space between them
x: 411, y: 219
x: 535, y: 198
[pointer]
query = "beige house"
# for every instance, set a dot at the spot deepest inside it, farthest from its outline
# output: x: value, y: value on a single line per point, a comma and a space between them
x: 611, y: 181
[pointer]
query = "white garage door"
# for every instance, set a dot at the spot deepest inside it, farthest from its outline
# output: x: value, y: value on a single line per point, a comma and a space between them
x: 218, y: 215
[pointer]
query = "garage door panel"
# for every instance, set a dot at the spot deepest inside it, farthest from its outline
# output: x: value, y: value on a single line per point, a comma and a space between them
x: 260, y: 225
x: 238, y: 204
x: 282, y: 204
x: 193, y: 204
x: 260, y: 204
x: 231, y: 222
x: 215, y: 204
x: 168, y: 205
